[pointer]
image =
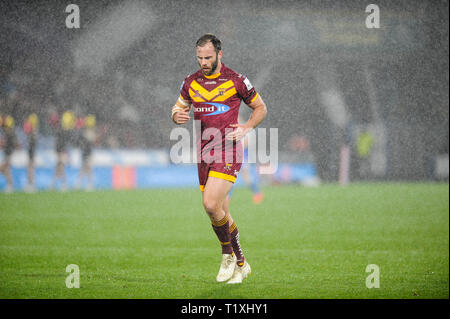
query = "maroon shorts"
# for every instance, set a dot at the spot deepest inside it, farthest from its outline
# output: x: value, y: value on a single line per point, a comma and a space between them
x: 220, y: 169
x: 226, y: 171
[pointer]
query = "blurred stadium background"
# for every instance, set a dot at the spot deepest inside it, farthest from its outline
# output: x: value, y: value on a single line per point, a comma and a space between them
x: 328, y: 81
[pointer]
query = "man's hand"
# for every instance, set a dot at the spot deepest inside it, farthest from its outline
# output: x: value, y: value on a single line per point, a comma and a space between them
x: 258, y: 114
x: 181, y: 116
x: 238, y: 133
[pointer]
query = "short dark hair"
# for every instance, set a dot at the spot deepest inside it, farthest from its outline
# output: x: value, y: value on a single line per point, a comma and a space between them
x: 209, y: 37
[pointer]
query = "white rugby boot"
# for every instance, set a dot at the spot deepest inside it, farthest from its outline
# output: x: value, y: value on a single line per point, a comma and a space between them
x: 226, y: 267
x: 240, y: 273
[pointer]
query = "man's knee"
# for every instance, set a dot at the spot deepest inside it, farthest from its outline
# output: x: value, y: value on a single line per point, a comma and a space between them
x: 211, y: 205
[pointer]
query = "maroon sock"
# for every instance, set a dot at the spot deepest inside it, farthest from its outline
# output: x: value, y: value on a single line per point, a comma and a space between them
x: 236, y: 245
x: 222, y: 230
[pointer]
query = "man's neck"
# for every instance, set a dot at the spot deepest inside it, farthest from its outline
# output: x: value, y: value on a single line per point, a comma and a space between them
x: 217, y: 71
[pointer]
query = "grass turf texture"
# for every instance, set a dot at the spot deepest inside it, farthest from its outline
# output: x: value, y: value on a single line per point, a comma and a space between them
x: 300, y: 242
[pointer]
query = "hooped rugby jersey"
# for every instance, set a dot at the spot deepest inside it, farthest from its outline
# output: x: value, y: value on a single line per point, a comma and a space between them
x: 216, y: 100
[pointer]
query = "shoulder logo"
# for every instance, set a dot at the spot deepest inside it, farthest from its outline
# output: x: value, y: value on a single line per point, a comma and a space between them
x: 248, y: 84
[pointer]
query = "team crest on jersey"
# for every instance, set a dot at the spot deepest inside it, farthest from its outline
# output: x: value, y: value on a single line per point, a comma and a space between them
x: 221, y: 91
x: 196, y: 94
x: 227, y: 167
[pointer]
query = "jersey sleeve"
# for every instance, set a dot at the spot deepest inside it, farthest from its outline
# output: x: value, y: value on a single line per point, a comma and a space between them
x: 245, y: 89
x: 184, y: 91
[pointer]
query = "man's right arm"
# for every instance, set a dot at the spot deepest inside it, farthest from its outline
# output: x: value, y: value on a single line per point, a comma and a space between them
x: 180, y: 111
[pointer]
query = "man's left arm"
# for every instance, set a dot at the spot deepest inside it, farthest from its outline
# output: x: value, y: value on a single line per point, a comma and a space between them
x: 258, y: 114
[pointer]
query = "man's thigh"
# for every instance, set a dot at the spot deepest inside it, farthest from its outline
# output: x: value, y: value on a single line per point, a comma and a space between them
x: 217, y: 189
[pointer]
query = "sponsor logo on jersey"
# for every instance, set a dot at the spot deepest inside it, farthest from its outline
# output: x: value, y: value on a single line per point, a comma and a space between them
x: 214, y: 108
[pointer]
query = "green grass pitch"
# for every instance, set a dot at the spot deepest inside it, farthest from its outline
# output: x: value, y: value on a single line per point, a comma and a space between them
x: 301, y: 243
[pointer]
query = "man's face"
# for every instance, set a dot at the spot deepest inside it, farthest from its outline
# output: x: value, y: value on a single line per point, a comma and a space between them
x: 208, y: 58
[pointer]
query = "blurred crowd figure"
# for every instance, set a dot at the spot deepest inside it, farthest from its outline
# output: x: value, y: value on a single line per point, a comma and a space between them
x: 68, y: 129
x: 7, y: 125
x: 30, y: 127
x: 249, y: 172
x: 250, y: 176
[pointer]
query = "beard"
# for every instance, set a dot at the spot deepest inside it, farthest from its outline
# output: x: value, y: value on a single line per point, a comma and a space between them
x: 213, y: 66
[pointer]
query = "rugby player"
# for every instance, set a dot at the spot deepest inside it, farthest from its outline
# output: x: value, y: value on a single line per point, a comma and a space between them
x: 215, y: 93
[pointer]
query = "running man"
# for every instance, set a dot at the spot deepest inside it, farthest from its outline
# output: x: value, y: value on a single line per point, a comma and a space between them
x: 215, y: 93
